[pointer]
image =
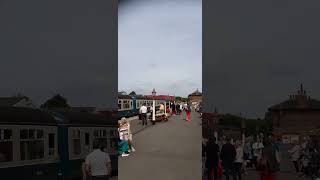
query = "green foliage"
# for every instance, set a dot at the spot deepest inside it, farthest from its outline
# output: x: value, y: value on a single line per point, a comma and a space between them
x: 252, y: 125
x: 178, y: 98
x: 132, y: 93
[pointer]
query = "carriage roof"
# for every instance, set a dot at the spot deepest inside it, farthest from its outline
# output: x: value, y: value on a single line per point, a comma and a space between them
x: 31, y: 116
x: 122, y: 96
x: 21, y: 115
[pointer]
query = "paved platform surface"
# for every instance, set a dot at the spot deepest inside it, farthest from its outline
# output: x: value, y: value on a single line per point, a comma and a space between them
x: 165, y: 151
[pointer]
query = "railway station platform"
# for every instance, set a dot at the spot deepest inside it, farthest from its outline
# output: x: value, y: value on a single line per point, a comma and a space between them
x: 167, y: 150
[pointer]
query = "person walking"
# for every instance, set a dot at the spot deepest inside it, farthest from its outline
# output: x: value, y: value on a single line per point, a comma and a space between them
x: 228, y: 155
x: 212, y: 153
x: 268, y: 163
x: 98, y: 163
x: 178, y: 109
x: 239, y: 159
x: 188, y: 112
x: 257, y: 151
x: 143, y: 112
x: 295, y: 155
x: 247, y: 150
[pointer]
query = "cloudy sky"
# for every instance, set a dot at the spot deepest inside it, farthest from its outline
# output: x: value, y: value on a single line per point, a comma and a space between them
x: 160, y: 46
x: 256, y: 53
x: 66, y: 47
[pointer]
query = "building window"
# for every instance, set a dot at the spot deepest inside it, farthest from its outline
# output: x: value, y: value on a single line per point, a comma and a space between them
x: 31, y: 144
x: 6, y: 145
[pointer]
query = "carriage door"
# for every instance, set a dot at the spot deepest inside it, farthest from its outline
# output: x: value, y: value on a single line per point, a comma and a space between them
x: 87, y: 141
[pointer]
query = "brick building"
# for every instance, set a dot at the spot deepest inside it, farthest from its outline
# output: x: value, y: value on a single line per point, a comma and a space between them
x: 195, y: 97
x: 299, y: 115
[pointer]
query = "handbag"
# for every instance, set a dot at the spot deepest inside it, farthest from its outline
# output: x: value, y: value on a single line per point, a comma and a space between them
x: 220, y: 170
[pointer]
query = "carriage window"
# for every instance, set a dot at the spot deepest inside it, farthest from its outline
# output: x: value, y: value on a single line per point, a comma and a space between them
x: 76, y: 142
x: 119, y: 104
x: 101, y: 136
x: 126, y: 104
x: 39, y: 134
x: 6, y: 146
x: 31, y: 146
x: 51, y: 144
x: 87, y: 142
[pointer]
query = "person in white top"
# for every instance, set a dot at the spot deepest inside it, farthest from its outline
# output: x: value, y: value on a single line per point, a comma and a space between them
x: 143, y: 112
x: 257, y: 152
x: 98, y: 163
x: 126, y: 125
x: 239, y: 159
x: 295, y: 155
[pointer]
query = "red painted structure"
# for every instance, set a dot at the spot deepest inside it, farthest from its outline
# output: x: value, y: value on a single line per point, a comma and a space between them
x: 171, y: 98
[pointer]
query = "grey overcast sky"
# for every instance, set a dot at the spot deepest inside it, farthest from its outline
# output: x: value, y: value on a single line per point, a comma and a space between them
x: 256, y: 53
x: 160, y: 46
x: 66, y: 47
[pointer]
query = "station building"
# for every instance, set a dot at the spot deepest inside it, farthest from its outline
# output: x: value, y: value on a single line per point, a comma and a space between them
x: 295, y: 117
x: 195, y: 97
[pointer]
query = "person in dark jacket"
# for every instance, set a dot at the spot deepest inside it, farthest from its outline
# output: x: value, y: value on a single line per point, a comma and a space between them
x: 212, y: 161
x: 177, y: 109
x: 228, y: 155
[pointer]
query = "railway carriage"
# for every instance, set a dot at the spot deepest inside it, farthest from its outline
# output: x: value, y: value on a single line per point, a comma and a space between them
x: 37, y: 144
x: 126, y: 106
x: 129, y: 105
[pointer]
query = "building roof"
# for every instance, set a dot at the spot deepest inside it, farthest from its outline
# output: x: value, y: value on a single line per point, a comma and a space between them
x: 299, y: 101
x: 86, y: 118
x: 195, y: 93
x: 122, y: 96
x: 10, y: 101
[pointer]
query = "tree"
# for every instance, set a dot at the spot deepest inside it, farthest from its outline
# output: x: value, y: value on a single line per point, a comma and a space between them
x: 178, y: 98
x: 133, y: 93
x: 57, y: 101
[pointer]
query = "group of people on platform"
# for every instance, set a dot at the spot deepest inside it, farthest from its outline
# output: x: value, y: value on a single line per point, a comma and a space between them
x: 173, y: 109
x: 305, y: 157
x: 178, y: 108
x: 125, y: 142
x: 233, y: 157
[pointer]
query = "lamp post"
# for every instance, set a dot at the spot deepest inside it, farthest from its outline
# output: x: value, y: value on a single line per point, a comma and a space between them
x: 153, y: 106
x: 165, y: 107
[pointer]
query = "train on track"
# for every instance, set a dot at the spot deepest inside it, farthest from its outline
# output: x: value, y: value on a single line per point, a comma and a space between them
x: 129, y: 105
x: 40, y: 144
